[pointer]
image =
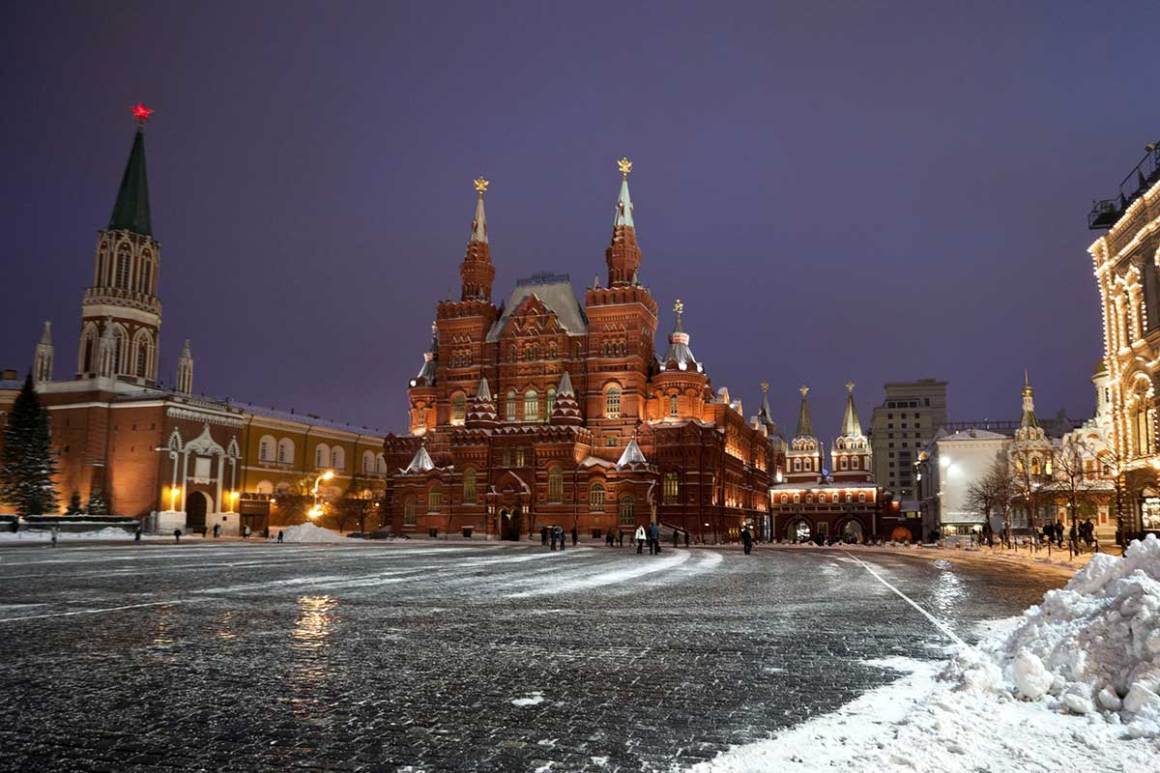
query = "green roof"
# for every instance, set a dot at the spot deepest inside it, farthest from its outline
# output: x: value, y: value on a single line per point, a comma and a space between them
x: 131, y: 212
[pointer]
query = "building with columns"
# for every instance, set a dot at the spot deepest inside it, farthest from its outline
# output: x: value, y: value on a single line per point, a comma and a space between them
x: 548, y: 410
x: 1126, y: 263
x: 129, y: 444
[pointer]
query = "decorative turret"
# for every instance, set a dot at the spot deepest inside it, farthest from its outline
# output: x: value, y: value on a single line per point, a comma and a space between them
x: 124, y: 289
x: 185, y: 370
x: 421, y: 462
x: 850, y: 454
x: 632, y: 457
x: 623, y: 254
x: 426, y: 376
x: 42, y: 365
x: 482, y: 413
x: 566, y: 410
x: 679, y: 355
x: 804, y: 458
x: 1029, y: 428
x: 764, y: 414
x: 477, y: 271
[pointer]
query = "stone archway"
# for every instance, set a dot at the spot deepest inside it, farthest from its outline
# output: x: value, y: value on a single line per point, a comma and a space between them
x: 798, y: 530
x: 196, y: 507
x: 850, y: 531
x: 510, y: 523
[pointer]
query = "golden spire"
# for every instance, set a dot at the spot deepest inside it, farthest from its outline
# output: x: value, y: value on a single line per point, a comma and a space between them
x: 765, y: 387
x: 850, y: 386
x: 624, y: 165
x: 679, y: 306
x: 804, y: 390
x: 481, y: 185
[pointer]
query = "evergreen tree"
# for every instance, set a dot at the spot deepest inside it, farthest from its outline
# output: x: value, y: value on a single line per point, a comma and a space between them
x: 74, y: 504
x: 26, y: 463
x: 97, y: 503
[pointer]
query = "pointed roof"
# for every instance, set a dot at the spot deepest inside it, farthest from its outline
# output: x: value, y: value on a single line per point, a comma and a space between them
x: 483, y: 394
x: 805, y: 427
x: 482, y: 413
x: 1029, y: 420
x: 186, y: 354
x: 420, y: 462
x: 566, y: 410
x: 131, y: 212
x: 632, y: 455
x: 623, y: 214
x: 565, y: 387
x: 479, y: 222
x: 46, y: 335
x: 851, y: 427
x: 679, y: 355
x: 764, y: 414
x: 426, y: 375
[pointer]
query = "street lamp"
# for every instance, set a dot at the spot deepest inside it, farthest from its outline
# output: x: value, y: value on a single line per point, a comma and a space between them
x: 174, y: 493
x: 316, y: 510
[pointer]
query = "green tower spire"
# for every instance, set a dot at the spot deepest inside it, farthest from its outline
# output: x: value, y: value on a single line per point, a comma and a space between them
x: 131, y: 212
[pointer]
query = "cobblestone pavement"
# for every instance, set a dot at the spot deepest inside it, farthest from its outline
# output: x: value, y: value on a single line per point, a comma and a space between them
x: 459, y: 657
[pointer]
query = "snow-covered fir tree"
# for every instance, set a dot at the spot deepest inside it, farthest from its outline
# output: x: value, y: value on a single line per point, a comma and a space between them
x: 74, y: 504
x: 27, y: 465
x: 97, y: 503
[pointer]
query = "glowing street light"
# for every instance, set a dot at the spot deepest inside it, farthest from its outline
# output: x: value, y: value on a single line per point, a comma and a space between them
x: 316, y: 510
x: 174, y: 493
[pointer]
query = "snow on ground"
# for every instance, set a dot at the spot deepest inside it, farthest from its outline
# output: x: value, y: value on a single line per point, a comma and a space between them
x: 1071, y: 685
x: 308, y: 532
x: 45, y: 535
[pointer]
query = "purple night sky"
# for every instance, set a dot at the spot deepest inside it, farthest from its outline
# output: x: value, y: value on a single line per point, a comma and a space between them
x: 876, y: 191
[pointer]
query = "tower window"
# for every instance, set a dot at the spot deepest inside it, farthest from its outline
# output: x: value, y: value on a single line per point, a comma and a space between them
x: 612, y: 402
x: 673, y: 408
x: 596, y: 497
x: 122, y: 279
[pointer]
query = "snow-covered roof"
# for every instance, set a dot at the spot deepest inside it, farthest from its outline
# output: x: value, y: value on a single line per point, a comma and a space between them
x: 973, y: 434
x: 632, y: 455
x: 302, y: 418
x: 420, y: 462
x: 555, y: 292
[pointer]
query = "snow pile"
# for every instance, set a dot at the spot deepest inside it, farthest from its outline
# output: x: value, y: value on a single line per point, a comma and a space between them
x: 308, y: 532
x: 1092, y: 647
x: 45, y: 535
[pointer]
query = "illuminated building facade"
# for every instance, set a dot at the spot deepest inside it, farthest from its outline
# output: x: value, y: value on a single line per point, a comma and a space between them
x: 547, y: 411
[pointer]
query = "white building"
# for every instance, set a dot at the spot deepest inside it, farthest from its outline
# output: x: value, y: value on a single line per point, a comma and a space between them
x: 948, y: 466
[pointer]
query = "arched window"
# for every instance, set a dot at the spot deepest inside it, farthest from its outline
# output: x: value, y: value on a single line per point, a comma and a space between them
x: 381, y: 464
x: 510, y: 410
x: 146, y: 283
x: 469, y: 495
x: 338, y: 458
x: 551, y: 403
x: 123, y: 260
x: 612, y: 402
x: 673, y: 406
x: 862, y: 499
x: 88, y: 347
x: 120, y: 350
x: 286, y: 451
x: 434, y: 500
x: 797, y: 499
x: 785, y: 499
x: 555, y: 485
x: 671, y: 487
x: 266, y: 449
x: 627, y: 510
x: 368, y: 462
x: 596, y: 497
x: 142, y: 354
x: 409, y: 517
x: 843, y: 463
x: 321, y: 455
x: 797, y: 465
x: 458, y: 408
x: 531, y: 405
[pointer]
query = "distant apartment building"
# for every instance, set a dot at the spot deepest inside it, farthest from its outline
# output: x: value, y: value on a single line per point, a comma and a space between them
x: 899, y: 428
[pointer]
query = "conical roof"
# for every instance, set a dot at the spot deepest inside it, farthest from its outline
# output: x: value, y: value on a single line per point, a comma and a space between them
x: 482, y: 413
x: 805, y: 427
x: 426, y: 375
x: 131, y: 212
x: 420, y: 462
x: 566, y: 409
x: 851, y: 427
x: 632, y: 455
x: 623, y: 214
x: 679, y: 355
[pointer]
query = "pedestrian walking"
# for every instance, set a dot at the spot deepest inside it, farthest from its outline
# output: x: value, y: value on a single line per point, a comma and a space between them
x: 137, y: 535
x: 279, y: 536
x: 676, y: 538
x: 654, y: 533
x: 544, y: 535
x: 747, y: 539
x: 177, y: 535
x: 553, y: 537
x: 640, y: 537
x: 620, y: 537
x: 575, y: 535
x: 54, y: 536
x: 562, y: 535
x: 217, y: 530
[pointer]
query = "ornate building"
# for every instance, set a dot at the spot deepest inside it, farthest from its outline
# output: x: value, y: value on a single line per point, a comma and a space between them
x: 128, y: 444
x: 545, y: 411
x: 840, y: 503
x: 1126, y: 261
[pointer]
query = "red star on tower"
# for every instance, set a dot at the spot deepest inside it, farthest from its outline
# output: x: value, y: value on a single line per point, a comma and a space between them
x: 142, y: 113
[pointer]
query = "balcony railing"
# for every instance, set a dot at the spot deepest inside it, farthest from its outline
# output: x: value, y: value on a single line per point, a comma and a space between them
x: 1106, y: 212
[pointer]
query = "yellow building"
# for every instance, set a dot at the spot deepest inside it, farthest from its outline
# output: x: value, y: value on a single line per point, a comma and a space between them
x: 1126, y: 261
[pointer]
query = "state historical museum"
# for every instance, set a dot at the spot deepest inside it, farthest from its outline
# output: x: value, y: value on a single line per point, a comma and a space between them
x: 547, y: 411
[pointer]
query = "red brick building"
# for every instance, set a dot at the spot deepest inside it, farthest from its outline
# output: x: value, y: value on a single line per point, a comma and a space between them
x: 547, y: 411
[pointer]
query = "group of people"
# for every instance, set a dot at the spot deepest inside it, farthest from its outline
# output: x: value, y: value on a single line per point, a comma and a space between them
x: 651, y: 535
x: 1080, y: 532
x: 555, y: 535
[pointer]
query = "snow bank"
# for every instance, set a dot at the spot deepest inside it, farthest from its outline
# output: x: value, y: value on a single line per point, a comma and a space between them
x: 45, y: 535
x: 1090, y: 647
x: 308, y: 532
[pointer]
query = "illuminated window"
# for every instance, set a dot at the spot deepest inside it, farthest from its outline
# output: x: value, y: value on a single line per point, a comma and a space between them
x: 612, y: 402
x: 671, y: 487
x: 510, y: 410
x: 551, y: 403
x: 627, y: 511
x: 555, y: 485
x: 458, y: 408
x: 596, y: 497
x: 338, y: 458
x: 673, y: 411
x: 321, y: 455
x: 519, y: 457
x: 531, y: 406
x: 286, y: 451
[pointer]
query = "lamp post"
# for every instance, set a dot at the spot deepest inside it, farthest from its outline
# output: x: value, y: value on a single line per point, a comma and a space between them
x: 174, y: 493
x: 316, y: 511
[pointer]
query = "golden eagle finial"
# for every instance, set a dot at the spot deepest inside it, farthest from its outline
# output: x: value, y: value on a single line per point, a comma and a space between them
x: 624, y: 165
x: 481, y: 185
x: 805, y: 390
x: 679, y: 306
x: 850, y: 386
x: 764, y: 387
